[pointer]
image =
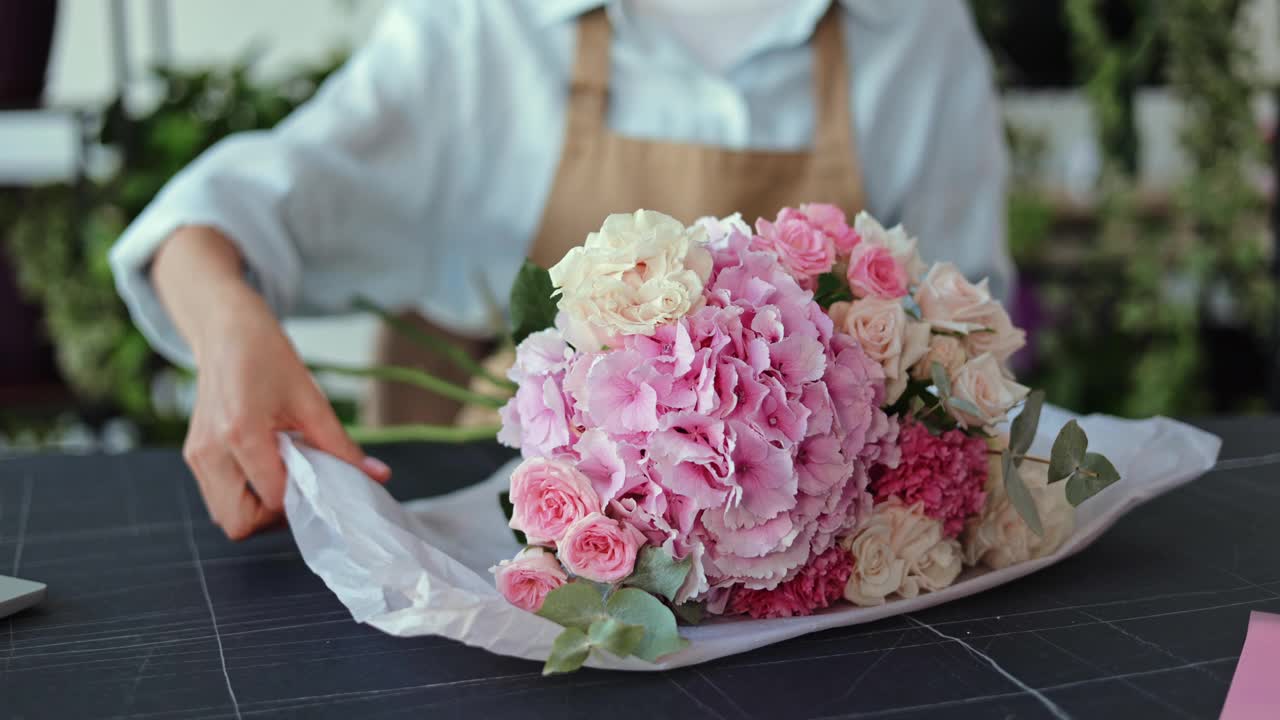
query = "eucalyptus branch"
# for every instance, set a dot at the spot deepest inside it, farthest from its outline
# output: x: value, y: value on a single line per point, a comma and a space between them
x: 1032, y: 458
x: 413, y: 377
x: 421, y: 433
x: 440, y: 346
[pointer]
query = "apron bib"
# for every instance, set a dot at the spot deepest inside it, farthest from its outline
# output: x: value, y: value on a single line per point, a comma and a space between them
x: 601, y: 172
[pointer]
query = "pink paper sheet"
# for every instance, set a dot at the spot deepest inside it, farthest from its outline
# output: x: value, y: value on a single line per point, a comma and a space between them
x: 1255, y: 692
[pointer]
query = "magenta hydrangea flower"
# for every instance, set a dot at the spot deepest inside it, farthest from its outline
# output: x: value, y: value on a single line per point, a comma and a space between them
x: 947, y: 473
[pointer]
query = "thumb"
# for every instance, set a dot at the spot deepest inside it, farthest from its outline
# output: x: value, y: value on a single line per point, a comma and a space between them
x: 321, y: 430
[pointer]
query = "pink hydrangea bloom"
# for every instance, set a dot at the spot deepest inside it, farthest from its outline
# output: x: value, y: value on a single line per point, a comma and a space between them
x: 742, y: 435
x: 947, y: 473
x: 816, y: 586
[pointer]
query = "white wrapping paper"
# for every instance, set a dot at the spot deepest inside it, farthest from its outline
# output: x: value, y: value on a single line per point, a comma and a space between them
x: 422, y: 568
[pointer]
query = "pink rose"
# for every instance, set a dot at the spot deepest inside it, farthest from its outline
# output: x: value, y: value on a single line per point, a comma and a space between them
x: 874, y: 272
x: 600, y: 548
x: 982, y: 382
x: 804, y: 250
x: 831, y: 220
x: 548, y: 496
x: 887, y: 335
x: 905, y: 249
x: 526, y: 580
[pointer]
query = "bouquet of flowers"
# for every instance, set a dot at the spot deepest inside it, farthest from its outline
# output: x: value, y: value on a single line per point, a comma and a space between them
x: 720, y: 420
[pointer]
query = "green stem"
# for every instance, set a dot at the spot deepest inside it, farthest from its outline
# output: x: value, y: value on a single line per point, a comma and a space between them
x: 1032, y: 458
x: 440, y: 346
x: 421, y: 433
x: 410, y: 376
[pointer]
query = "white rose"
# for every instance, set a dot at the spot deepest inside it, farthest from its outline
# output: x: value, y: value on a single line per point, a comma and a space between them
x: 903, y: 247
x: 900, y: 544
x: 999, y: 537
x: 719, y: 229
x: 944, y: 350
x: 877, y: 569
x: 638, y: 272
x: 887, y: 334
x: 982, y: 382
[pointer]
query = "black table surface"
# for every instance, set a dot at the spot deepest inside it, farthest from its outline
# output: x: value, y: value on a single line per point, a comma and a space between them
x: 153, y: 614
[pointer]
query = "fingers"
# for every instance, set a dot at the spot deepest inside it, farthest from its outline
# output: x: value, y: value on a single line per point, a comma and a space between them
x: 321, y: 430
x: 232, y: 505
x: 259, y: 459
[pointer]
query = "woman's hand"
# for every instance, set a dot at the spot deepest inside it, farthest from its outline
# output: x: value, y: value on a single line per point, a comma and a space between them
x: 250, y: 384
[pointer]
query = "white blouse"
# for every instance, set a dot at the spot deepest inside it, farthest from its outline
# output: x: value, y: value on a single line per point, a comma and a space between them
x: 417, y: 175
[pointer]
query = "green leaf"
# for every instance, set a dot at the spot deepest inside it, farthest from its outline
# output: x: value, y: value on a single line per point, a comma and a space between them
x: 1068, y: 451
x: 568, y: 652
x: 940, y: 379
x: 532, y: 306
x: 504, y: 500
x: 617, y: 637
x: 1096, y: 473
x: 912, y: 307
x: 690, y: 613
x: 656, y: 572
x: 574, y: 604
x: 1022, y: 432
x: 637, y: 607
x: 832, y: 288
x: 1019, y: 495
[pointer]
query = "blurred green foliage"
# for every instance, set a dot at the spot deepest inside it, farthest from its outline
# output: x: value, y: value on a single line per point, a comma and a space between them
x: 59, y: 236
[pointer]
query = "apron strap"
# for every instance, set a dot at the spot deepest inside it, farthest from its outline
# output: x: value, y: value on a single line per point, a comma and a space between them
x: 589, y: 90
x: 833, y: 125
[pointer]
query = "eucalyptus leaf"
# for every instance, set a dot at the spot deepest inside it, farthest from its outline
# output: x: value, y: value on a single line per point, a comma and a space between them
x: 568, y: 652
x: 576, y: 604
x: 617, y: 637
x: 637, y: 607
x: 1022, y: 431
x: 940, y: 379
x: 508, y: 510
x: 532, y: 306
x: 912, y: 307
x: 1096, y: 473
x: 690, y: 613
x: 1019, y: 495
x: 1068, y: 451
x: 658, y: 573
x: 964, y: 406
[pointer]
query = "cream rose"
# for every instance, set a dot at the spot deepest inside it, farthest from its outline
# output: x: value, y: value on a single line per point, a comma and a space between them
x: 998, y: 337
x: 887, y: 335
x: 982, y: 382
x: 999, y: 537
x: 638, y: 272
x: 949, y: 301
x: 901, y: 551
x: 903, y: 247
x: 944, y: 350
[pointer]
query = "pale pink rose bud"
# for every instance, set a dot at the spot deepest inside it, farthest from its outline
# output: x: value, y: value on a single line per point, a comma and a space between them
x: 982, y: 382
x: 831, y: 220
x: 601, y: 549
x: 874, y: 272
x: 804, y: 250
x: 526, y: 580
x: 944, y: 350
x: 548, y: 496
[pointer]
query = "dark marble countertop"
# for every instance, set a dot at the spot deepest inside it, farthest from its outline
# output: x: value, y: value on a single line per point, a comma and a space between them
x: 153, y: 614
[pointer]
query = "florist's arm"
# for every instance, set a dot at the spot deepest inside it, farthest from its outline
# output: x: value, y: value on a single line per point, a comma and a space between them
x: 301, y: 218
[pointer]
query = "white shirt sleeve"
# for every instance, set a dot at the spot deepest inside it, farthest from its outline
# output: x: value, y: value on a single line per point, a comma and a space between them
x: 955, y: 202
x: 320, y: 207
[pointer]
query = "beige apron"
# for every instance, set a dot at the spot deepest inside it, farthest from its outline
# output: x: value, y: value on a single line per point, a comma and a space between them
x: 602, y: 172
